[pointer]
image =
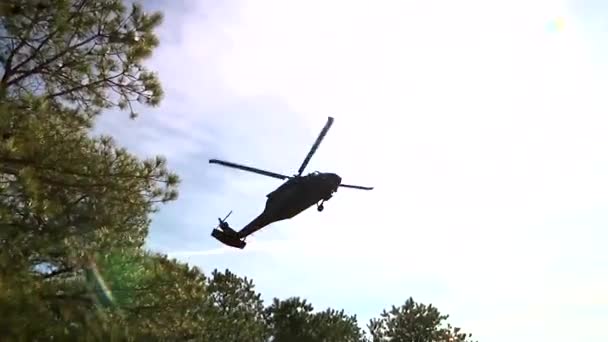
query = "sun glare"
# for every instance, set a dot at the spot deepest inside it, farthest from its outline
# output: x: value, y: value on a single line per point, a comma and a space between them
x: 557, y: 25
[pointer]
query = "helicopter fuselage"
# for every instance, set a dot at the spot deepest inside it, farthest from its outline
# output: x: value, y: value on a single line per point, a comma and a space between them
x: 293, y: 197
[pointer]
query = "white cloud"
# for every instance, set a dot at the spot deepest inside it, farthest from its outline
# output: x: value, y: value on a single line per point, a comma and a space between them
x: 482, y: 130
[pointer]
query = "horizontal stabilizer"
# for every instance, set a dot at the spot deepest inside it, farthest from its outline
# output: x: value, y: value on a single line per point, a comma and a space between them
x: 228, y: 239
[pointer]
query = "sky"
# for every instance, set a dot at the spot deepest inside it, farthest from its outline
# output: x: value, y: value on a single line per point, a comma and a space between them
x: 481, y: 125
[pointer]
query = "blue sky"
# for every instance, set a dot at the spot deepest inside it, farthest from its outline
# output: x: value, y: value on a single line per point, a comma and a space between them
x: 482, y: 125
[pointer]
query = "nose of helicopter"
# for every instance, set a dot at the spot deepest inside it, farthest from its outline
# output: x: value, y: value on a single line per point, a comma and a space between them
x: 335, y: 179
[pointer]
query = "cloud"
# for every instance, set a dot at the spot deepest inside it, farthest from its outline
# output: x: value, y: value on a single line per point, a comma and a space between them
x: 482, y: 131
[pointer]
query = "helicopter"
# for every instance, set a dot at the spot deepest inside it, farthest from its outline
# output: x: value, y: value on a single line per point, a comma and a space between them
x: 297, y: 194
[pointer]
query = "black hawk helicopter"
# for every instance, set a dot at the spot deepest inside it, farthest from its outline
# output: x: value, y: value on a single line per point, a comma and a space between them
x: 297, y: 194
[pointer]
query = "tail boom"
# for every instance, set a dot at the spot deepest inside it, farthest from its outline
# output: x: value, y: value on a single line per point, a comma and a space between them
x: 255, y: 225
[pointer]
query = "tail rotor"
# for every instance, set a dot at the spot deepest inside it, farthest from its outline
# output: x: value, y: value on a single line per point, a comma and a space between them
x: 227, y: 235
x: 223, y: 222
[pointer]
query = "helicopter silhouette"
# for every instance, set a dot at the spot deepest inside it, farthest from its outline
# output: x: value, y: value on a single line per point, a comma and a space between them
x: 297, y: 194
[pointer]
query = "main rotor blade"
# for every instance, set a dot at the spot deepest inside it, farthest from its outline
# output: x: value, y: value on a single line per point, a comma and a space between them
x: 356, y: 187
x: 315, y: 146
x: 248, y: 168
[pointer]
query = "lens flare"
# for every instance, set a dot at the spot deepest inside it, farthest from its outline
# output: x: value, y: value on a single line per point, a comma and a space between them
x: 101, y: 291
x: 557, y: 25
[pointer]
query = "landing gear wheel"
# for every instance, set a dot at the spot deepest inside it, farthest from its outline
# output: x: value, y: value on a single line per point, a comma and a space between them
x: 320, y: 207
